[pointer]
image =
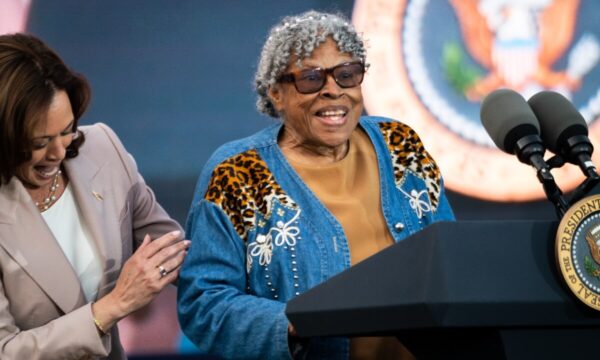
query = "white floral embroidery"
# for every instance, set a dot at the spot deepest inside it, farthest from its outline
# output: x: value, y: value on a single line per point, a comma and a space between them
x: 262, y: 247
x: 416, y: 202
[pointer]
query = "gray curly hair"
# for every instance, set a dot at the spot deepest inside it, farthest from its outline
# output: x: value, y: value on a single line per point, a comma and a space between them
x: 300, y: 35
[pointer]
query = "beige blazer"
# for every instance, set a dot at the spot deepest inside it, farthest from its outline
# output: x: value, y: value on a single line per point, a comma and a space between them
x: 43, y: 312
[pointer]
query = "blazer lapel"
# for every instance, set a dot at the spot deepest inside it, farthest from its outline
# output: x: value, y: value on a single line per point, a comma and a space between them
x: 93, y: 195
x: 26, y: 237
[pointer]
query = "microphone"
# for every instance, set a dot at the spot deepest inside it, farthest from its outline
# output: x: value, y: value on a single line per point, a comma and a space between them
x: 563, y: 130
x: 513, y: 127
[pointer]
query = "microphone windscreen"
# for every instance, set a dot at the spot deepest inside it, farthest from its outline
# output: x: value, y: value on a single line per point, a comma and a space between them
x: 507, y: 118
x: 559, y: 119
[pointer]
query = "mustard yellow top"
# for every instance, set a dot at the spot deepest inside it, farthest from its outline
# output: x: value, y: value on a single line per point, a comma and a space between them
x: 349, y: 189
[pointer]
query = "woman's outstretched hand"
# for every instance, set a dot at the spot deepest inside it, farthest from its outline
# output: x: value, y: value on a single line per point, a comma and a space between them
x: 154, y: 265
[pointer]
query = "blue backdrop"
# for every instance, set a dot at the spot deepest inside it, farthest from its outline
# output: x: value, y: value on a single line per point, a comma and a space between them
x: 174, y: 79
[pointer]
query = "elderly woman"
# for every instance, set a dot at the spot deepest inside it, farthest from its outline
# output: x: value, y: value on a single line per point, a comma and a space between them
x: 73, y: 208
x: 302, y: 200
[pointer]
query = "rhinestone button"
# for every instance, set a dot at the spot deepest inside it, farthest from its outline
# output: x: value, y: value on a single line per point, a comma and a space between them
x: 399, y: 227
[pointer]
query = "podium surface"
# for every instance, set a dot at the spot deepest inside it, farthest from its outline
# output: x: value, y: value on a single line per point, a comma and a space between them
x: 474, y: 288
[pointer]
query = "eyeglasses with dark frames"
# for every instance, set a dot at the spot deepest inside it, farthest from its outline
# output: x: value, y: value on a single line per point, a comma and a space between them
x: 310, y: 81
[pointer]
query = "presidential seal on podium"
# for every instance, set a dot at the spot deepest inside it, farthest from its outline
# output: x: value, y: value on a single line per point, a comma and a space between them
x: 578, y: 250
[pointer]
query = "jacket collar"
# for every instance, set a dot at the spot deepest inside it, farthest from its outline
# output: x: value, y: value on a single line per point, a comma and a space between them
x: 26, y: 237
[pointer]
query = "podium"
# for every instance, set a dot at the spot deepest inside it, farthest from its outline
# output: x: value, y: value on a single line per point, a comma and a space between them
x: 458, y: 290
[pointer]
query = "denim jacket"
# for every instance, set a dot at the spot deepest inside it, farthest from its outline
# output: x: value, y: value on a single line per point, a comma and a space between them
x: 261, y: 237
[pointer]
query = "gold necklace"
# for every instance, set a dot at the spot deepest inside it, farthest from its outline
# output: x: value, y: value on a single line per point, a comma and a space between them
x: 51, y: 198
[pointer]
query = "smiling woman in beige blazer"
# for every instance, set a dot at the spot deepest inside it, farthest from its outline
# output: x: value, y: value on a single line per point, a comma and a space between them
x: 83, y: 242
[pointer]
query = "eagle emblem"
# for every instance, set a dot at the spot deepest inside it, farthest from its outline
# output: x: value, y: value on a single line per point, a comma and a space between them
x: 432, y: 62
x: 592, y: 237
x: 519, y: 42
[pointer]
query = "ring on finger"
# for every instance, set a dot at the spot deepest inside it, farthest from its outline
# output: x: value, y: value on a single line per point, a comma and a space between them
x: 162, y: 271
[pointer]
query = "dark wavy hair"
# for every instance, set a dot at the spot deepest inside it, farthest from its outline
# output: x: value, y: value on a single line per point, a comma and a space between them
x: 30, y: 75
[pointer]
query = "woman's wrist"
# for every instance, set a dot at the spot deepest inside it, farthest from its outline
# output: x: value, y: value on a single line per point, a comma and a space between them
x: 101, y: 330
x: 106, y: 314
